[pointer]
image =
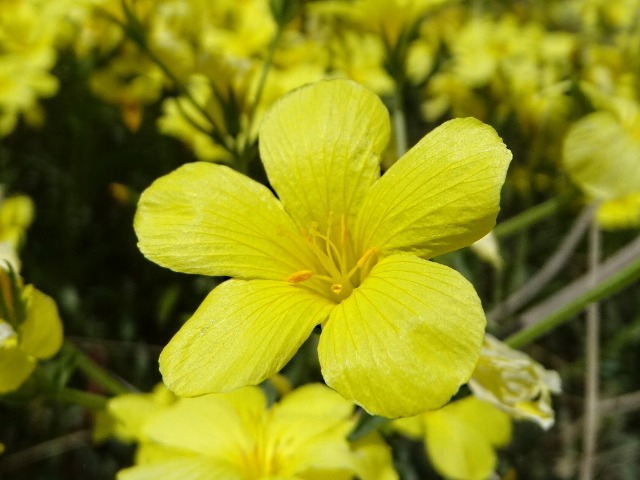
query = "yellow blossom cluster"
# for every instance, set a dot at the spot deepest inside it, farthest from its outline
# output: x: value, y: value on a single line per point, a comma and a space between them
x: 30, y: 34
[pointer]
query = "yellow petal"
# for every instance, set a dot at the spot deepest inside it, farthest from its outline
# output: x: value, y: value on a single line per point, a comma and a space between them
x: 321, y: 147
x: 314, y: 400
x: 490, y: 421
x: 411, y: 427
x: 456, y: 446
x: 623, y: 212
x: 443, y: 194
x: 15, y: 368
x: 181, y: 469
x: 132, y: 411
x: 208, y: 219
x: 41, y: 333
x: 602, y: 157
x: 17, y: 211
x: 405, y: 340
x: 373, y: 458
x: 218, y: 426
x: 308, y: 429
x: 244, y: 332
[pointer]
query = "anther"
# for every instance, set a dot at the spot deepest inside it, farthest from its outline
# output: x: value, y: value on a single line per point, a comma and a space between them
x: 300, y: 276
x: 343, y: 230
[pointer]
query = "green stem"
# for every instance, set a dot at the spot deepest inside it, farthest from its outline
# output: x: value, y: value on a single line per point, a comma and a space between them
x: 400, y: 120
x: 531, y: 216
x: 268, y: 62
x: 78, y: 397
x: 95, y: 372
x: 592, y: 361
x: 616, y: 282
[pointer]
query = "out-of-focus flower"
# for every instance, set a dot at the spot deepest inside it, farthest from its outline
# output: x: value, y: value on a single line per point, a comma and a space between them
x: 16, y: 214
x: 515, y: 383
x: 237, y: 436
x: 341, y: 248
x: 132, y: 411
x: 29, y: 34
x: 30, y: 329
x: 461, y: 437
x: 602, y: 155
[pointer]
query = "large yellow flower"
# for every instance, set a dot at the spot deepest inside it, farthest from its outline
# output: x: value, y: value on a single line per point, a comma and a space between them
x: 341, y: 248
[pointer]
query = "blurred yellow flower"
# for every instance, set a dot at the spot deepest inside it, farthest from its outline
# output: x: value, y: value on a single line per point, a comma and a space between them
x: 515, y: 383
x: 461, y: 437
x: 236, y: 436
x: 16, y: 214
x: 30, y: 329
x: 132, y: 411
x: 341, y: 248
x: 29, y: 30
x: 601, y: 153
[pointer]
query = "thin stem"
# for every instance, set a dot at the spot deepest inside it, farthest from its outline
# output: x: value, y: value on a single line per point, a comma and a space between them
x: 608, y: 268
x: 78, y: 397
x: 548, y: 270
x: 400, y: 120
x: 268, y: 62
x: 96, y: 373
x: 608, y: 286
x: 13, y: 462
x: 592, y: 354
x: 531, y: 216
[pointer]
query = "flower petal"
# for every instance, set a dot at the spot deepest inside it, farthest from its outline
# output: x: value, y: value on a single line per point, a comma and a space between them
x: 308, y: 429
x: 442, y: 195
x: 619, y: 213
x: 208, y: 219
x: 41, y: 332
x: 244, y: 332
x: 456, y: 447
x: 321, y: 147
x: 405, y: 340
x: 197, y: 468
x: 219, y: 426
x: 15, y: 368
x: 602, y: 157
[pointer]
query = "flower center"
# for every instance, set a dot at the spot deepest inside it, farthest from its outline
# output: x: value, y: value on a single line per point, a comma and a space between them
x: 339, y: 272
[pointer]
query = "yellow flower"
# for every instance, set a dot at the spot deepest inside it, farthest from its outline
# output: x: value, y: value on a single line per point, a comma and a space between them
x: 515, y: 383
x: 16, y: 214
x: 461, y: 437
x: 30, y: 330
x: 601, y: 153
x: 341, y: 248
x: 132, y: 411
x: 236, y: 436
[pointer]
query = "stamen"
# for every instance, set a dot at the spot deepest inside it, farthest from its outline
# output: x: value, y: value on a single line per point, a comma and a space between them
x: 335, y: 258
x: 305, y: 234
x: 366, y: 256
x: 300, y: 276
